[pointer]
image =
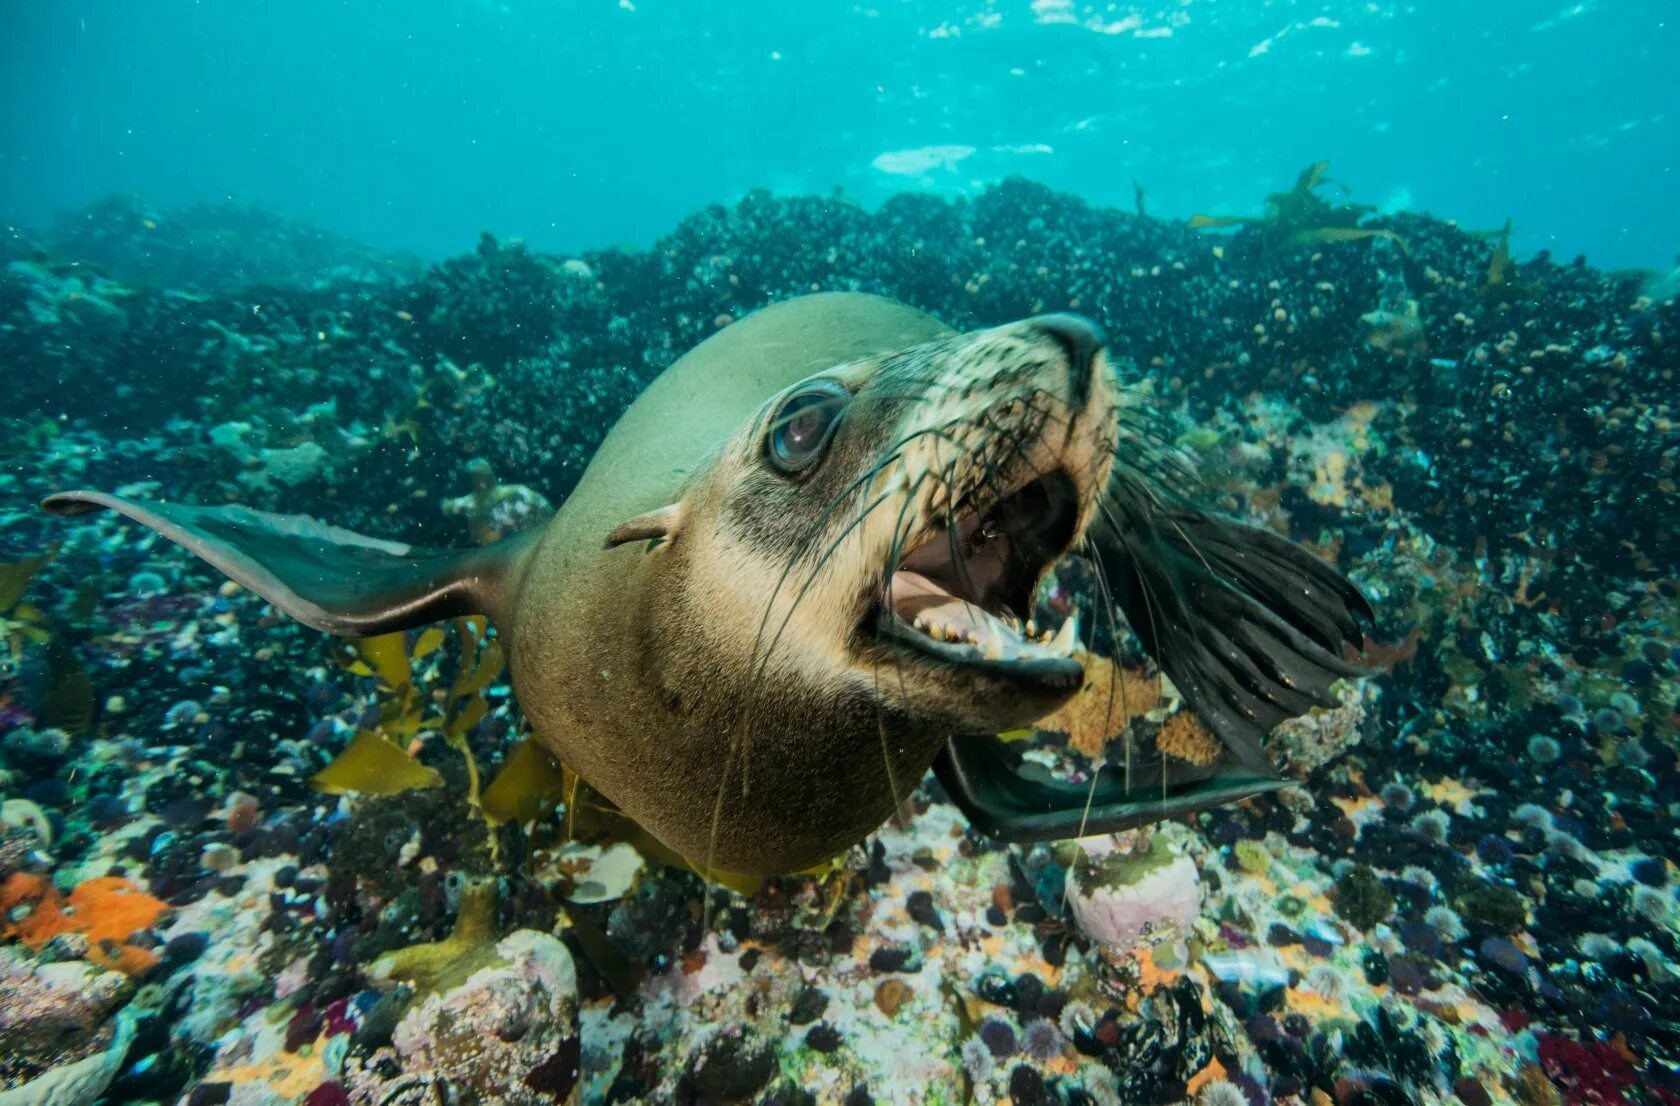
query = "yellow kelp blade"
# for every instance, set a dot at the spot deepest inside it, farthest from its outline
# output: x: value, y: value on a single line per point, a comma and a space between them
x: 528, y: 788
x: 15, y: 577
x: 427, y: 643
x: 1214, y: 222
x: 589, y: 815
x: 373, y: 765
x: 385, y: 656
x: 463, y: 717
x: 482, y: 675
x: 1348, y: 234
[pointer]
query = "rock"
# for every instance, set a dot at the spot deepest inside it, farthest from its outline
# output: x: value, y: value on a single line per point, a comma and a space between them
x: 512, y: 1025
x: 62, y: 1038
x: 1124, y: 899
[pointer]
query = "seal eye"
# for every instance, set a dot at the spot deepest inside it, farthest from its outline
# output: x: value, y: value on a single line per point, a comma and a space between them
x: 801, y: 429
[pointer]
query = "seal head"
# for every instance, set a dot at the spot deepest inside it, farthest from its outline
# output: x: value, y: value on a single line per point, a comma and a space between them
x: 838, y: 589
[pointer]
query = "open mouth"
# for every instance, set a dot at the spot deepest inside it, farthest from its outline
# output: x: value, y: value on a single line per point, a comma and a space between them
x: 965, y: 595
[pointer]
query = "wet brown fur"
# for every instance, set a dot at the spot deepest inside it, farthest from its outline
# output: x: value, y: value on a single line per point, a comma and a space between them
x: 710, y: 682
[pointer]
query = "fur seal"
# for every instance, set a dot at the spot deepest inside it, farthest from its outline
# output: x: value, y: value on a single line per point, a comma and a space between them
x: 797, y: 573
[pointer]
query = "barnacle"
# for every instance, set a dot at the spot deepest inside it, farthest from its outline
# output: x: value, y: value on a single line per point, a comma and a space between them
x: 1301, y: 217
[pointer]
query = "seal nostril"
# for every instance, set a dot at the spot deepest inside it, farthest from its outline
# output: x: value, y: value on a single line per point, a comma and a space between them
x: 1080, y: 339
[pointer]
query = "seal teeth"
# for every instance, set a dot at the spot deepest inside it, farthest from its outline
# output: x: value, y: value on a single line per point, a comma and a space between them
x: 1066, y: 636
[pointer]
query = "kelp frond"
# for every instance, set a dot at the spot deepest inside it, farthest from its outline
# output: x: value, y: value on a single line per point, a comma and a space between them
x: 378, y: 761
x: 1302, y: 217
x: 1502, y: 284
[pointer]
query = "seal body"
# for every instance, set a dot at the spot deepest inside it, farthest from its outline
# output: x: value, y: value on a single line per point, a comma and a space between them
x: 644, y: 667
x: 805, y: 563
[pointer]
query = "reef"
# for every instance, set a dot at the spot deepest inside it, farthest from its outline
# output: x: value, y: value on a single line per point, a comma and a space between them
x: 242, y: 863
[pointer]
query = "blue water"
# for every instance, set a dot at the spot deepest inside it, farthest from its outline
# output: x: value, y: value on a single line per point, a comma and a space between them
x: 590, y: 122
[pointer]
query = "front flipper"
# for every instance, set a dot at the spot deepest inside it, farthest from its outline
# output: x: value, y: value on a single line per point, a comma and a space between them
x: 1250, y: 627
x: 1008, y: 800
x: 324, y: 576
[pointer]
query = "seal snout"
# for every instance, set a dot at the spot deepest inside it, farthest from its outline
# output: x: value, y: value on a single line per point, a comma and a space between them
x: 1081, y: 339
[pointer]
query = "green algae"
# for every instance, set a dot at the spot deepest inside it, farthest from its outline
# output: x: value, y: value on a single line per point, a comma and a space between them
x: 1361, y: 898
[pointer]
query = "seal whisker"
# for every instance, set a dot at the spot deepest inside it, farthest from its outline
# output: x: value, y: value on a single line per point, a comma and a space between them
x: 894, y: 452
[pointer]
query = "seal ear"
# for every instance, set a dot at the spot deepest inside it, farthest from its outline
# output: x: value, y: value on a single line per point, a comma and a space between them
x: 324, y: 576
x: 655, y: 525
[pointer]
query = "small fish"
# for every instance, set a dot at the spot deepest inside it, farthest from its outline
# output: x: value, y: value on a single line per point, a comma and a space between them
x: 1250, y: 966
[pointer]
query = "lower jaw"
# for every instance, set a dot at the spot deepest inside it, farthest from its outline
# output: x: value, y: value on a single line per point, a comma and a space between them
x: 1044, y: 673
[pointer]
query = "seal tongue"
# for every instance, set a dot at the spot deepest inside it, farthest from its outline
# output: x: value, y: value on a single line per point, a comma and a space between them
x: 939, y: 614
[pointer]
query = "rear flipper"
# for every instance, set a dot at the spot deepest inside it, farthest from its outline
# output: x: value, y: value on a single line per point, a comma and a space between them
x: 1250, y: 627
x: 1010, y: 800
x: 324, y: 576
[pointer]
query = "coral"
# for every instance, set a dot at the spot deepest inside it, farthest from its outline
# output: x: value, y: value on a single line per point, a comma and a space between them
x: 1362, y: 898
x: 1184, y: 736
x: 1110, y: 697
x: 1309, y: 741
x: 509, y: 1021
x: 26, y: 814
x: 1589, y: 1073
x: 1397, y: 333
x: 107, y: 911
